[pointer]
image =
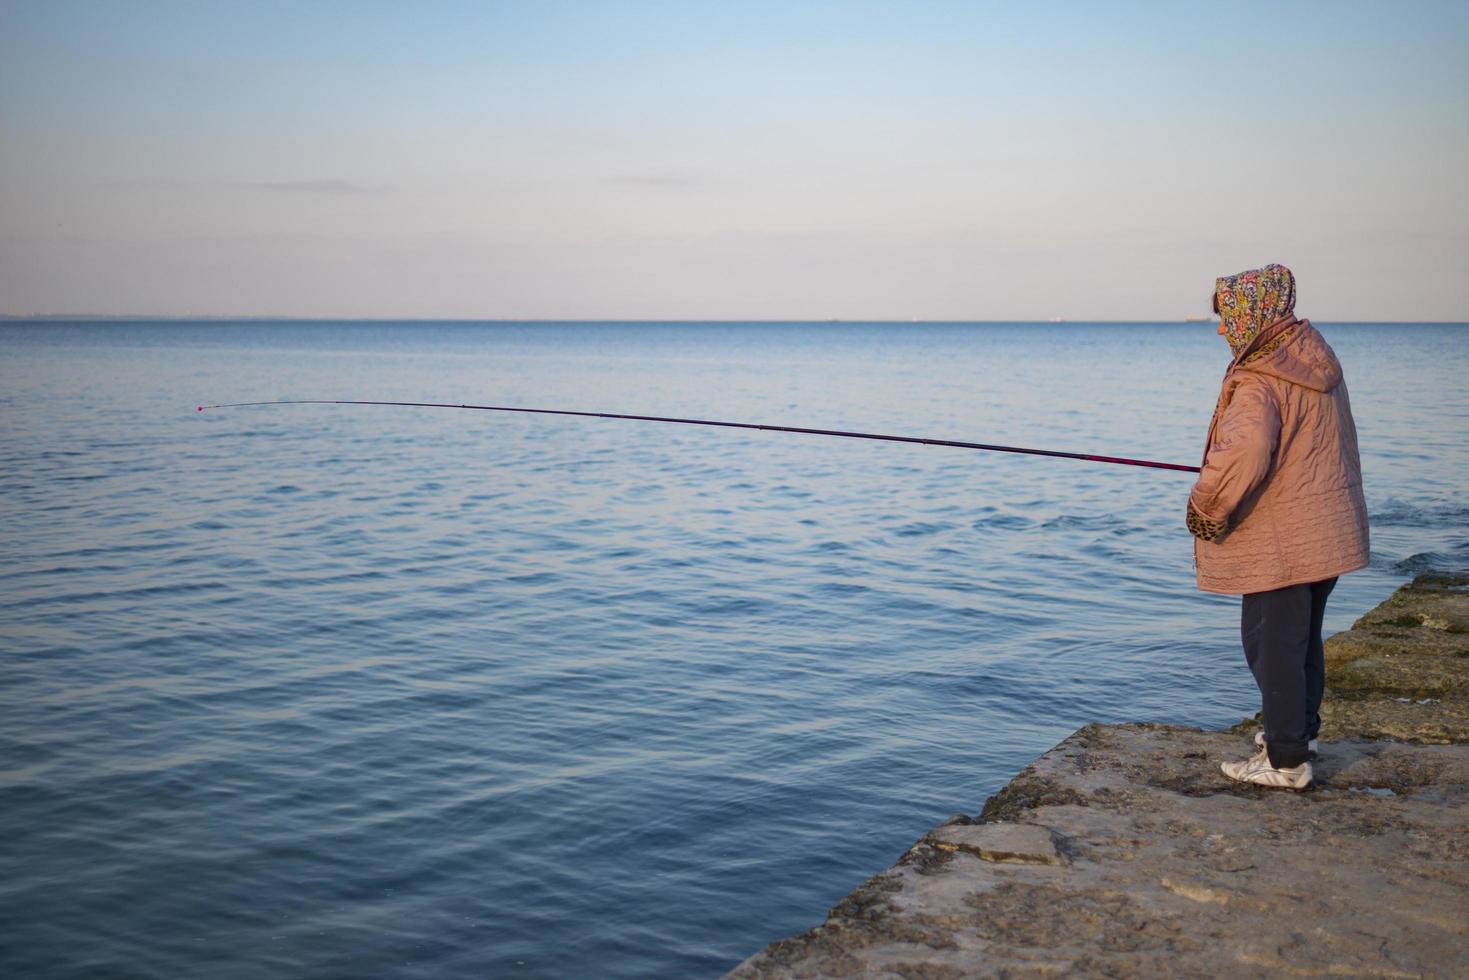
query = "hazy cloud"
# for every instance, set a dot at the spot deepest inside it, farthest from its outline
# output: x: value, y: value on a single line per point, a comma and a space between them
x: 326, y: 186
x: 651, y: 180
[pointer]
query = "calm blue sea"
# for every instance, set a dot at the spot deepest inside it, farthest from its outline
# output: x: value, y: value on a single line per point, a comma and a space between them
x: 329, y: 691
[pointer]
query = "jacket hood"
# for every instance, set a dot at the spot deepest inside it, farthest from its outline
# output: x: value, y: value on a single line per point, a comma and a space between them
x: 1250, y: 301
x: 1304, y: 359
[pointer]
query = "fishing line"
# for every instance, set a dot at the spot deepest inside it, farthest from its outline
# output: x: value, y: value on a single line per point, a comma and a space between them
x: 740, y: 425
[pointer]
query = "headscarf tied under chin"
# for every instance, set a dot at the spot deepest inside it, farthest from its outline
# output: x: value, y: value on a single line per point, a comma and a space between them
x: 1251, y: 301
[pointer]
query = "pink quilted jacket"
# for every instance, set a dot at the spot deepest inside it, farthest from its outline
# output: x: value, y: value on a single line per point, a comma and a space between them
x: 1281, y: 488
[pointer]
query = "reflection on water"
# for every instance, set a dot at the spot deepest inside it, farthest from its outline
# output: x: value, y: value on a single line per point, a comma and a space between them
x: 384, y: 692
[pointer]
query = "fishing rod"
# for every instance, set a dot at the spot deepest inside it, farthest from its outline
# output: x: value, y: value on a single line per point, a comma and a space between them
x: 738, y: 425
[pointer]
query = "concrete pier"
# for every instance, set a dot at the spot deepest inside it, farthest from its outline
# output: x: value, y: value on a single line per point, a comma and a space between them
x: 1124, y: 851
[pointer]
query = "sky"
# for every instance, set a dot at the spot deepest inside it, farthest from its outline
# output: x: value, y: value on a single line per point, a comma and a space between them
x: 731, y: 160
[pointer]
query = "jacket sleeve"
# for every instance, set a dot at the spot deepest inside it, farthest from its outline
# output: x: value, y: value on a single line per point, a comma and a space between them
x: 1238, y: 460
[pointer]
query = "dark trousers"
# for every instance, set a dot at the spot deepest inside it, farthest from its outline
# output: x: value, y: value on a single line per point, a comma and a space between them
x: 1281, y: 630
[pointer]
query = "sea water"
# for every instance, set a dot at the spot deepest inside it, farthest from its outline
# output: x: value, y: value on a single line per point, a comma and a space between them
x: 339, y: 691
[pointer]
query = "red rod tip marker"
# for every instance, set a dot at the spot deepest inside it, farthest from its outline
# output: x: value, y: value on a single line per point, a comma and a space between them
x: 201, y: 408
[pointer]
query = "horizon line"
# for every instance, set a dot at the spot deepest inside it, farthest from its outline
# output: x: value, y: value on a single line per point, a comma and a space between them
x: 295, y: 318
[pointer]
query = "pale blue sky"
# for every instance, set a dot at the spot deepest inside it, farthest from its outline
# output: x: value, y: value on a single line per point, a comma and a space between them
x: 731, y: 160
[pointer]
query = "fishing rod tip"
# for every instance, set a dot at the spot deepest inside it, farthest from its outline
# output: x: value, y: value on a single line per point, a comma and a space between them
x: 201, y: 408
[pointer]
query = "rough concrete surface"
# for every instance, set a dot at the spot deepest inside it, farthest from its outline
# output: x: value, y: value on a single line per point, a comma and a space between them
x: 1402, y: 670
x: 1123, y: 851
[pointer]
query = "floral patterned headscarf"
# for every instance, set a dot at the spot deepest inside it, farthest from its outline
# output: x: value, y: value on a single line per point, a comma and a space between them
x: 1251, y: 301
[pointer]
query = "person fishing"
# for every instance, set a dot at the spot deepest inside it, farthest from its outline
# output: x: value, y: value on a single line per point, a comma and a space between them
x: 1277, y: 513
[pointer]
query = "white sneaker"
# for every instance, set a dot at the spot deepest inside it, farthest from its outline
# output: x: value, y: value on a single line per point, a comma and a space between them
x: 1260, y: 743
x: 1257, y: 769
